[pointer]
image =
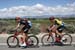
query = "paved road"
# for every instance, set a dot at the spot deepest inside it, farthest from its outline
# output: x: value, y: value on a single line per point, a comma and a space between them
x: 3, y: 38
x: 41, y: 48
x: 3, y: 46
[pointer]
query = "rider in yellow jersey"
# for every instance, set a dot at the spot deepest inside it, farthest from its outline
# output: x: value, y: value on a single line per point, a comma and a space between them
x: 57, y: 26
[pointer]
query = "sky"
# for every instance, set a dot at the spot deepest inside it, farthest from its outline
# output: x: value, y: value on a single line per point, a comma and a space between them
x: 36, y: 7
x: 10, y: 3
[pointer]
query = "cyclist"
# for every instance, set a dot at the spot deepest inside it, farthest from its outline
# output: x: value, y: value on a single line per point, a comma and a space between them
x: 26, y: 26
x: 57, y: 27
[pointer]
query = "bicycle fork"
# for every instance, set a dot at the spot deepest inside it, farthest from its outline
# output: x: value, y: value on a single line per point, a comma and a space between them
x: 14, y: 37
x: 48, y: 37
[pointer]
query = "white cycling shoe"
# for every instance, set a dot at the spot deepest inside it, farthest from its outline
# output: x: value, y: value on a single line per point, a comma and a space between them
x: 23, y: 45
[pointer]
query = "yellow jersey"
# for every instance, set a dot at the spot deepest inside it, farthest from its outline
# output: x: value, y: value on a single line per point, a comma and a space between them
x: 58, y: 22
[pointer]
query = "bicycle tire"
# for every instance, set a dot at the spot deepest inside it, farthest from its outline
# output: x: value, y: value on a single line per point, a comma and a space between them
x: 43, y: 43
x: 69, y: 37
x: 35, y: 38
x: 8, y: 43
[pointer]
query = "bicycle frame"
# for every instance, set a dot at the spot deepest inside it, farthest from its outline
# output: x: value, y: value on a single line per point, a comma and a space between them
x: 16, y: 33
x: 56, y: 38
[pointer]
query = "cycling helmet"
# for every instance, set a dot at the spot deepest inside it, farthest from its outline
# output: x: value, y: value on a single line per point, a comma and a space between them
x: 52, y: 18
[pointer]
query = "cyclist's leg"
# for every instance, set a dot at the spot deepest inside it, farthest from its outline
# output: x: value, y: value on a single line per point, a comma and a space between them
x: 53, y: 30
x: 50, y: 34
x: 26, y: 35
x: 24, y: 38
x: 21, y: 37
x: 59, y: 32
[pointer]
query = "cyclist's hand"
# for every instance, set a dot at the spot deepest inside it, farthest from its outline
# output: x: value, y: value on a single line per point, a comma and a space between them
x: 48, y: 30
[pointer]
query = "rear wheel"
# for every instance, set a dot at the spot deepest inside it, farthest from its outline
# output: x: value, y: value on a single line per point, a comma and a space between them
x: 66, y: 39
x: 33, y: 40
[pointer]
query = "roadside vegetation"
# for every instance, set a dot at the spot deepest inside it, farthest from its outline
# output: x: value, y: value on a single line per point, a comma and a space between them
x: 39, y: 25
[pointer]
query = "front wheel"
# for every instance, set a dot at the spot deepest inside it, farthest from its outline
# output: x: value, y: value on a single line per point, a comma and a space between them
x: 47, y: 40
x: 12, y: 41
x: 66, y: 39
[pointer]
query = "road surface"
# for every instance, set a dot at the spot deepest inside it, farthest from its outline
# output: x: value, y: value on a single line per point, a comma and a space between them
x: 3, y: 45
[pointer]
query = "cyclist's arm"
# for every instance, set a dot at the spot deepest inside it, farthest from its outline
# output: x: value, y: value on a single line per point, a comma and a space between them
x: 18, y: 25
x: 53, y: 27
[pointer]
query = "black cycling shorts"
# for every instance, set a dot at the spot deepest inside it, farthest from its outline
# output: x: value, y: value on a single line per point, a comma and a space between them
x: 60, y: 29
x: 26, y: 29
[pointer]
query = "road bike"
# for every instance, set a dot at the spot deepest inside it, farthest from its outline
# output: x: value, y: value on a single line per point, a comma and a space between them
x: 48, y: 39
x: 13, y: 40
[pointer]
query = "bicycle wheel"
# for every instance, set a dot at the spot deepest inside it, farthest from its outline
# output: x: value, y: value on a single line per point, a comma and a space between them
x: 33, y: 40
x: 66, y: 39
x: 12, y: 41
x: 46, y: 42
